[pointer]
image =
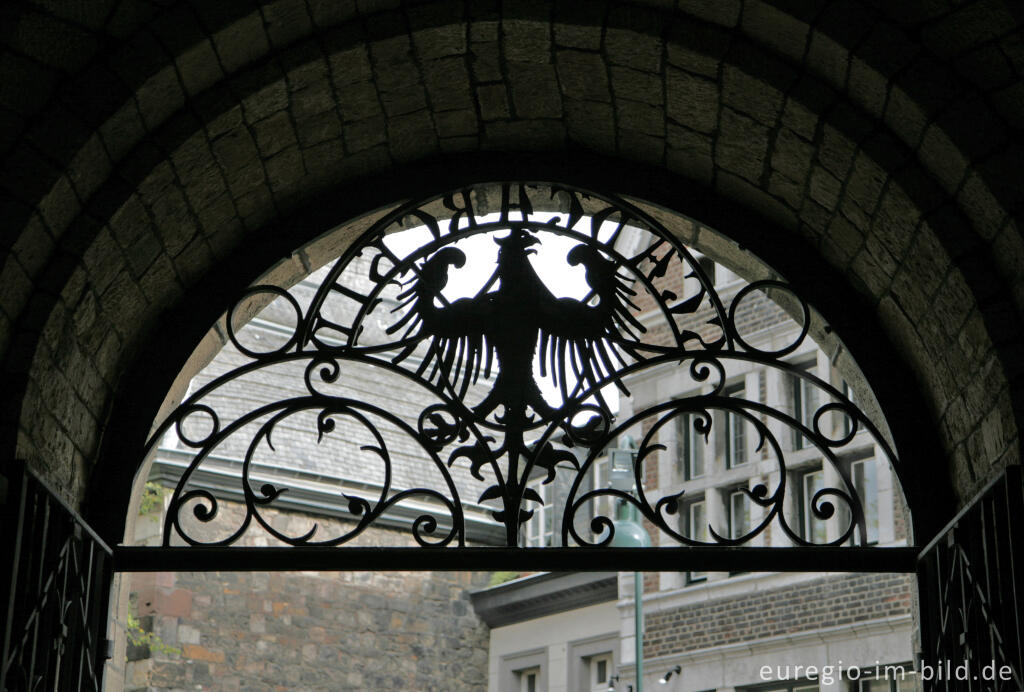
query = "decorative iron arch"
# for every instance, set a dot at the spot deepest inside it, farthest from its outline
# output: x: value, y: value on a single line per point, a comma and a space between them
x: 478, y: 355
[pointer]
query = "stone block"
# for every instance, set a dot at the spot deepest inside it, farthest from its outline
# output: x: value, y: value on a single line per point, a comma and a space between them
x: 750, y: 95
x: 411, y: 136
x: 724, y: 12
x: 439, y: 41
x: 403, y: 100
x: 791, y: 155
x: 635, y: 85
x: 241, y: 42
x: 457, y: 123
x: 485, y: 62
x: 535, y: 91
x: 358, y: 100
x: 775, y: 27
x: 742, y: 145
x: 286, y: 21
x: 348, y: 64
x: 199, y: 653
x: 274, y: 134
x: 824, y: 188
x: 493, y: 100
x: 691, y: 101
x: 591, y: 124
x: 447, y: 81
x: 582, y: 75
x: 632, y: 49
x: 526, y: 41
x: 365, y: 134
x: 266, y: 101
x: 322, y: 127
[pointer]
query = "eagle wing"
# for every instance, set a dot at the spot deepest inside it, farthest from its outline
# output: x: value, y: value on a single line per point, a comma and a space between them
x: 457, y: 348
x: 582, y: 342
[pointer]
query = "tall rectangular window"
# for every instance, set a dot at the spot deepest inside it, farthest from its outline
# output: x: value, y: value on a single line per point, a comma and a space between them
x: 540, y: 527
x: 696, y: 527
x: 735, y: 433
x: 739, y: 514
x: 812, y: 528
x: 600, y: 669
x: 689, y: 447
x: 529, y: 680
x: 804, y: 401
x: 864, y: 474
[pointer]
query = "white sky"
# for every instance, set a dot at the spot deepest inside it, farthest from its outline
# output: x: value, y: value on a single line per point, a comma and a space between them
x: 563, y: 280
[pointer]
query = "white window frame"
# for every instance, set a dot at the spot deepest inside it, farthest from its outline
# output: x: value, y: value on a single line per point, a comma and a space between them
x: 735, y: 433
x: 525, y: 676
x: 515, y: 669
x: 734, y: 495
x: 598, y: 684
x: 802, y: 392
x: 697, y: 530
x: 812, y: 528
x: 540, y: 528
x: 689, y: 450
x: 868, y: 496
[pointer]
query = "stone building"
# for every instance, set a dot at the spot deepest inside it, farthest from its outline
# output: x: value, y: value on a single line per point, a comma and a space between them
x: 157, y: 158
x: 725, y: 630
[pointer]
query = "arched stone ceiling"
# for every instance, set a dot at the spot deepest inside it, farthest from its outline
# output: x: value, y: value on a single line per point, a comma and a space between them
x: 145, y: 144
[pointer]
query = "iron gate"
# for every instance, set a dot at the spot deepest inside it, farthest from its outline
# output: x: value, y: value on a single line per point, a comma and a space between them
x: 57, y: 586
x: 971, y: 585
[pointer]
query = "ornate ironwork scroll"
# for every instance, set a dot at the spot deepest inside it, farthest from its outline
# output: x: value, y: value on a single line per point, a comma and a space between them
x: 504, y: 322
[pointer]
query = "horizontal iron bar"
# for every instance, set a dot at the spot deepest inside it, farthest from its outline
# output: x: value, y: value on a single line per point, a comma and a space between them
x: 709, y: 559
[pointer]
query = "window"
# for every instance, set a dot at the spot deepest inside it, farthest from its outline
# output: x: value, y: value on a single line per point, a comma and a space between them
x: 524, y: 672
x: 804, y: 396
x: 529, y: 680
x: 735, y: 433
x: 887, y: 678
x: 864, y: 475
x: 591, y: 663
x: 540, y: 527
x: 696, y: 527
x: 845, y: 422
x: 600, y: 671
x: 689, y: 447
x: 739, y: 514
x: 812, y: 528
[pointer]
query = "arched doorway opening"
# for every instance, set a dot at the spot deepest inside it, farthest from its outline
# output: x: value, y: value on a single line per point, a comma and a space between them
x: 495, y: 213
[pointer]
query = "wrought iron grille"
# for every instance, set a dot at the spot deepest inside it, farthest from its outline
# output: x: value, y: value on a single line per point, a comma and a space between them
x: 509, y: 377
x: 57, y: 588
x: 971, y: 585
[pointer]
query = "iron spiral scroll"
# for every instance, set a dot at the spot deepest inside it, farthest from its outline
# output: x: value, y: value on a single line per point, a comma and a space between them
x: 505, y: 382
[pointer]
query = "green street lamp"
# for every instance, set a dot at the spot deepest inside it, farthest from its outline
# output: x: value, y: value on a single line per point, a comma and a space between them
x: 629, y: 533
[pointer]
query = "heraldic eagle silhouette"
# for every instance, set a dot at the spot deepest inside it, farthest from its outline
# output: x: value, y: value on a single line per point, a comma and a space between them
x: 511, y: 319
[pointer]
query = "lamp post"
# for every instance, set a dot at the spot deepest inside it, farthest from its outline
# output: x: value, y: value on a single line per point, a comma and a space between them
x: 629, y: 533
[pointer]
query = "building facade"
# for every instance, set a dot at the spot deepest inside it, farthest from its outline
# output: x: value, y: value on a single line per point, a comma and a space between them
x: 719, y: 630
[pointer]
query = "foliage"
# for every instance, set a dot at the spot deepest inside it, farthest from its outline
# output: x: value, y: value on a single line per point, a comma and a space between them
x: 137, y: 636
x: 502, y: 577
x: 152, y: 496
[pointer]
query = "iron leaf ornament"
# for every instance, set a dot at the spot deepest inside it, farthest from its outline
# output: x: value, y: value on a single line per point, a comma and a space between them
x: 485, y: 339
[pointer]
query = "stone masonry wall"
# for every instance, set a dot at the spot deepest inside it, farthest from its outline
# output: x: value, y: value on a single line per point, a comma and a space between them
x: 309, y: 630
x: 820, y: 604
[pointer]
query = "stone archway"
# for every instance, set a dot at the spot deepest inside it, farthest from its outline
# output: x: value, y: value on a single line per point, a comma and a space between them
x: 144, y: 149
x: 835, y: 135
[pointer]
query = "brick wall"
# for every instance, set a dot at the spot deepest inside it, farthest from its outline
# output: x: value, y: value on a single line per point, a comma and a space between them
x: 819, y: 604
x: 310, y: 630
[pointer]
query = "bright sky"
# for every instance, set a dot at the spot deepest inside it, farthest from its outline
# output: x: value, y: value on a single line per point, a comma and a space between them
x: 563, y: 280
